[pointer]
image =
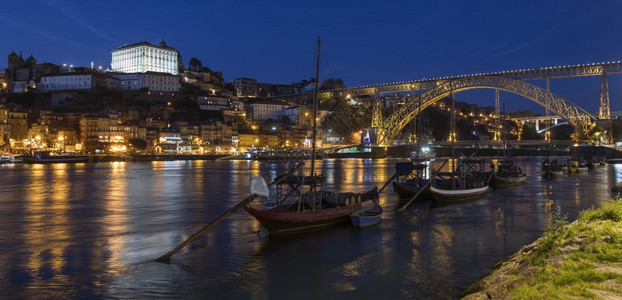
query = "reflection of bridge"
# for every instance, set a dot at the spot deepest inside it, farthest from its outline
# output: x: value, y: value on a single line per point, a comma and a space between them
x: 432, y: 90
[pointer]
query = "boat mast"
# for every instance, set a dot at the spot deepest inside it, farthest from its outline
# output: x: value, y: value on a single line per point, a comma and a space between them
x: 452, y: 134
x: 314, y: 114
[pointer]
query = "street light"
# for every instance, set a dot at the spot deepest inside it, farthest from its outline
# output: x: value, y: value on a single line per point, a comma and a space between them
x: 61, y: 143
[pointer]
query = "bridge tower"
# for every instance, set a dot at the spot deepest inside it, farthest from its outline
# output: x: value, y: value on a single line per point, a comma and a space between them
x: 604, y: 113
x: 547, y: 133
x: 376, y: 118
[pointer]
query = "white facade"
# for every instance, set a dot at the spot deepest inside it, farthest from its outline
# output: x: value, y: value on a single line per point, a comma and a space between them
x: 67, y: 81
x: 262, y: 111
x: 144, y: 57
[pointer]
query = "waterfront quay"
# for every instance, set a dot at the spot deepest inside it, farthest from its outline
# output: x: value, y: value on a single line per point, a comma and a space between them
x: 441, y: 149
x: 156, y: 157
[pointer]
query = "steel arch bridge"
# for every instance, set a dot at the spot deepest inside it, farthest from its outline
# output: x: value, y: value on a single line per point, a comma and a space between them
x: 573, y: 114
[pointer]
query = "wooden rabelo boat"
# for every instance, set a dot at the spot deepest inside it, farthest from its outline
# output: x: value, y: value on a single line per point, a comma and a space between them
x: 507, y: 173
x: 464, y: 182
x: 298, y: 210
x: 552, y: 169
x: 411, y: 178
x: 310, y: 209
x: 468, y: 181
x: 47, y: 157
x: 575, y: 166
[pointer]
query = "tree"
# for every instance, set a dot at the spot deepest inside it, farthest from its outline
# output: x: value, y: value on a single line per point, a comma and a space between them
x: 529, y: 133
x: 139, y: 144
x: 186, y: 104
x: 195, y: 64
x: 92, y: 145
x: 299, y: 86
x: 333, y: 84
x: 616, y: 130
x: 598, y: 134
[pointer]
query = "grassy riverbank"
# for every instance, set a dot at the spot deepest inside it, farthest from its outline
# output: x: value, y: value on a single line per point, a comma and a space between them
x: 578, y: 260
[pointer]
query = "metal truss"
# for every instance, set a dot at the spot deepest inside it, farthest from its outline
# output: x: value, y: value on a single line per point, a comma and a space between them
x: 573, y: 114
x: 524, y: 74
x: 376, y: 118
x: 604, y: 112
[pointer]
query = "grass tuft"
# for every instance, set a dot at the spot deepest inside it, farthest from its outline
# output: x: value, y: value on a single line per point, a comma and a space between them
x: 611, y: 210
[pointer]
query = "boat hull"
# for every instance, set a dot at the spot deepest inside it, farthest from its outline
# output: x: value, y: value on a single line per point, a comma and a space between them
x: 406, y: 191
x: 76, y: 159
x: 367, y: 217
x: 458, y: 195
x: 501, y: 181
x: 549, y: 174
x: 280, y: 219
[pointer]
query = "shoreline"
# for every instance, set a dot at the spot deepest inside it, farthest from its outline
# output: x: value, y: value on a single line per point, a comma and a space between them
x: 577, y: 260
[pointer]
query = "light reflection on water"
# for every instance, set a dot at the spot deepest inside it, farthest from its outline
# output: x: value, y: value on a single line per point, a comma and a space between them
x: 93, y: 230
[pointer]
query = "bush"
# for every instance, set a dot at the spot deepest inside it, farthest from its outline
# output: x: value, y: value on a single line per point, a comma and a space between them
x: 609, y: 211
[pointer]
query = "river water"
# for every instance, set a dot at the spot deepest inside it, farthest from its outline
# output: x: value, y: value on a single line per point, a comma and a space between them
x: 93, y: 230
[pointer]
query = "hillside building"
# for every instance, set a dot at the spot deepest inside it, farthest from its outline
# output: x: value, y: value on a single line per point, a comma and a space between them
x: 144, y: 57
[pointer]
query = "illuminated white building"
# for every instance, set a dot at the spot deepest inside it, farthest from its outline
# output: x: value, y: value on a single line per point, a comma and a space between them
x: 72, y: 81
x: 267, y: 110
x: 144, y: 57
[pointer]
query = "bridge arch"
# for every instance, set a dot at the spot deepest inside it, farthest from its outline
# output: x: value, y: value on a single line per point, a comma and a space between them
x: 573, y: 114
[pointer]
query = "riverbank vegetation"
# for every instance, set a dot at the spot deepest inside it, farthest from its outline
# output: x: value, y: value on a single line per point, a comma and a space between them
x: 578, y: 260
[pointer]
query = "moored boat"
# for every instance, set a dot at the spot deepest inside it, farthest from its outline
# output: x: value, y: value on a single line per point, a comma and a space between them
x: 467, y: 182
x: 46, y: 157
x: 456, y: 195
x: 411, y: 179
x: 464, y: 182
x: 551, y: 169
x: 311, y: 210
x: 591, y: 165
x: 507, y: 173
x: 297, y: 210
x: 6, y: 159
x: 575, y: 166
x: 368, y: 216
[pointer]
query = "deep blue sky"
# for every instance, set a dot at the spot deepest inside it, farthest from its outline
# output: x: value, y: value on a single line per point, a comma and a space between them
x: 363, y: 42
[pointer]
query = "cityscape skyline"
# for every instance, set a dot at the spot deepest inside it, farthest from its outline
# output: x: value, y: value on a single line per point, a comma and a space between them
x: 363, y: 42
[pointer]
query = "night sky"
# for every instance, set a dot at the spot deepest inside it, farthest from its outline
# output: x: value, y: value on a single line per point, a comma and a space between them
x: 363, y: 42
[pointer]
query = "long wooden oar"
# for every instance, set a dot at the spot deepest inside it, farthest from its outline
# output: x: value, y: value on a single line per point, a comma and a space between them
x: 423, y: 188
x: 430, y: 181
x: 387, y: 183
x: 166, y: 257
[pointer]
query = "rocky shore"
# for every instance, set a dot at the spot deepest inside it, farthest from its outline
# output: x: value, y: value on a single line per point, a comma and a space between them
x: 581, y: 260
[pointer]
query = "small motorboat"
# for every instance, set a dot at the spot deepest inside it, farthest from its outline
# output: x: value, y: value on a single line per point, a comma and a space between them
x: 368, y: 216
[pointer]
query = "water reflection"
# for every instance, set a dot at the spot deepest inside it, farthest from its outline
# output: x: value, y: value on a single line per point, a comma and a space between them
x: 92, y: 230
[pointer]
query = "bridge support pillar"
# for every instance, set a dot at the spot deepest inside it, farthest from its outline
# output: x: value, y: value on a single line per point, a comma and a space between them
x: 376, y: 113
x: 604, y: 113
